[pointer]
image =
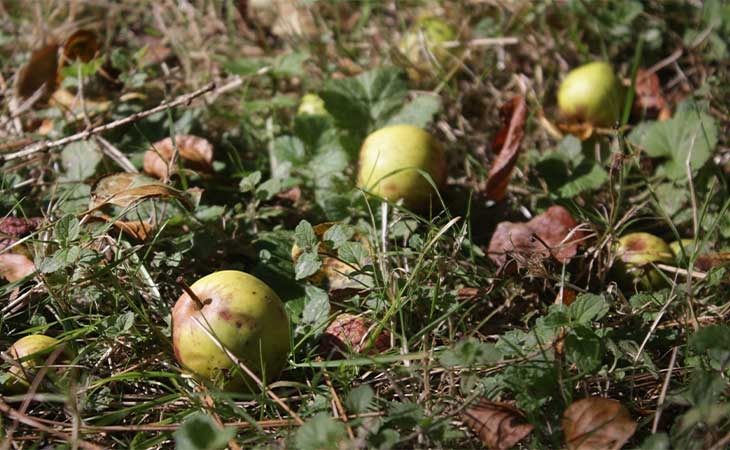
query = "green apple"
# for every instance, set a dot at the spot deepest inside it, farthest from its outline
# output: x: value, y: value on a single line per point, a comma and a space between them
x: 636, y: 252
x: 30, y: 352
x: 423, y: 46
x: 591, y: 94
x: 245, y: 316
x: 312, y: 105
x: 389, y: 164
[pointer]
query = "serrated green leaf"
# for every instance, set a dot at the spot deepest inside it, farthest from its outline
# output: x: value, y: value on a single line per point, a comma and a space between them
x: 305, y: 237
x: 79, y: 160
x: 67, y: 228
x: 321, y: 432
x: 337, y: 234
x: 249, y: 182
x: 583, y: 348
x: 353, y: 253
x: 360, y: 399
x: 689, y: 133
x: 588, y: 176
x: 470, y: 352
x: 587, y: 308
x: 307, y: 264
x: 418, y: 112
x: 200, y: 432
x: 316, y: 306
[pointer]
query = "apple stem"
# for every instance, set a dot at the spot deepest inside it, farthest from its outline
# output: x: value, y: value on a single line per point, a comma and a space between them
x: 180, y: 281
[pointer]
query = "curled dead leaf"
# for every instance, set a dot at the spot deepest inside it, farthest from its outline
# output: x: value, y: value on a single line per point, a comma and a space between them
x: 649, y: 100
x: 507, y: 145
x: 15, y: 266
x: 194, y: 152
x: 82, y: 45
x: 552, y: 233
x: 498, y: 425
x: 40, y: 72
x: 597, y: 423
x: 12, y: 228
x: 124, y: 189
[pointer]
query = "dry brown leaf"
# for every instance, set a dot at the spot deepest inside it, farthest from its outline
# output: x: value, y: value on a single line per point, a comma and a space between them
x: 649, y: 100
x: 82, y: 44
x: 39, y: 72
x: 507, y: 144
x: 552, y: 233
x: 193, y: 151
x: 14, y: 266
x: 349, y: 332
x: 498, y: 425
x: 597, y: 423
x: 123, y: 189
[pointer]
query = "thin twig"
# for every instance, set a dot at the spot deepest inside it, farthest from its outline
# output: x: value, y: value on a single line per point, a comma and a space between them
x: 663, y: 394
x: 183, y: 99
x: 338, y: 403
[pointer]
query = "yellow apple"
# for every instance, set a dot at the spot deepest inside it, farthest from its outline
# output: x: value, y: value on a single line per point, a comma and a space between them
x: 591, y: 94
x: 30, y: 352
x: 245, y: 316
x: 389, y: 164
x: 636, y: 252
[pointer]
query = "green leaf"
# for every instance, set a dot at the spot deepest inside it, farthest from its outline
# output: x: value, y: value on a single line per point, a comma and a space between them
x: 290, y: 65
x: 60, y: 260
x: 711, y: 337
x: 353, y: 253
x: 79, y: 160
x: 418, y: 112
x: 268, y: 189
x: 588, y: 176
x: 587, y: 307
x: 249, y: 182
x: 360, y: 399
x: 288, y: 149
x: 67, y: 228
x: 583, y: 348
x: 362, y: 103
x: 305, y: 237
x: 200, y: 432
x: 321, y: 432
x: 470, y: 352
x: 337, y: 234
x: 307, y: 264
x: 659, y: 441
x: 316, y: 306
x: 690, y: 133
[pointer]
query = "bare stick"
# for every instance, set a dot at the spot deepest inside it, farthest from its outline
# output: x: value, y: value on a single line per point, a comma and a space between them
x: 183, y: 99
x: 663, y: 395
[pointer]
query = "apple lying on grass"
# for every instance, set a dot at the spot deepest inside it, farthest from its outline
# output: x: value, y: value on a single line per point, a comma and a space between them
x: 236, y: 311
x: 30, y: 352
x: 424, y: 47
x: 591, y: 94
x: 636, y: 252
x: 393, y: 161
x: 349, y: 333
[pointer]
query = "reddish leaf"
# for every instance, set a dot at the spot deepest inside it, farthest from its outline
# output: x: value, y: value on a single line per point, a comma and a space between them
x: 498, y: 425
x: 12, y: 228
x: 507, y: 145
x: 649, y: 98
x: 14, y: 266
x: 194, y: 152
x: 597, y: 423
x: 39, y: 72
x: 351, y: 333
x: 552, y: 233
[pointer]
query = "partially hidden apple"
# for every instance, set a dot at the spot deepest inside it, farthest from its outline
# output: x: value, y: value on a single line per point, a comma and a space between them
x: 312, y: 105
x: 349, y: 333
x: 30, y: 352
x: 424, y: 46
x: 391, y: 163
x: 636, y: 252
x: 245, y: 316
x: 591, y: 94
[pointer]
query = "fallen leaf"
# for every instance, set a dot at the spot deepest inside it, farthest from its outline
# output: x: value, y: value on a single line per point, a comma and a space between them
x: 12, y: 228
x: 136, y: 229
x: 507, y: 145
x: 552, y: 233
x: 40, y: 72
x: 349, y: 332
x: 649, y: 101
x: 14, y: 266
x: 82, y: 45
x: 498, y: 425
x: 597, y: 423
x: 123, y: 189
x: 193, y: 151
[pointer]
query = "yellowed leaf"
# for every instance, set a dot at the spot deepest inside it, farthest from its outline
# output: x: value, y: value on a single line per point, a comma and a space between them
x: 597, y: 423
x: 194, y: 152
x: 14, y: 266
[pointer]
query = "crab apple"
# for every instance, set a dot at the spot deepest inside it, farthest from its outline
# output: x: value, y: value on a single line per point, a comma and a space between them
x: 423, y: 46
x: 391, y: 161
x: 30, y: 352
x: 592, y: 94
x: 636, y: 252
x: 351, y: 333
x: 245, y: 316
